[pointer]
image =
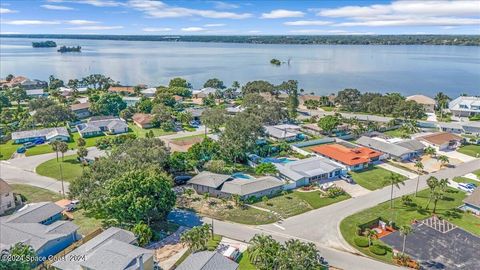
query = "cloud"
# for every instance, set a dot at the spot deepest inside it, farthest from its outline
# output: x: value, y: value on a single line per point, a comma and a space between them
x: 156, y: 29
x: 214, y: 24
x: 408, y: 13
x: 96, y: 3
x: 9, y: 33
x: 224, y: 5
x: 282, y: 13
x: 81, y: 22
x: 31, y: 22
x: 56, y: 7
x: 96, y: 27
x: 254, y: 31
x: 158, y: 9
x: 307, y: 23
x: 193, y: 29
x: 6, y: 11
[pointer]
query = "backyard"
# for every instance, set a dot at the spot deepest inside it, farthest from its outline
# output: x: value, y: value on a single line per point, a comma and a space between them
x: 141, y: 132
x: 471, y: 150
x: 71, y: 168
x: 373, y: 177
x: 396, y: 133
x: 405, y: 214
x: 35, y: 194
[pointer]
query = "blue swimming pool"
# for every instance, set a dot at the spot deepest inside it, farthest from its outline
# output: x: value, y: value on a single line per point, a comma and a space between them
x: 276, y: 160
x: 241, y: 176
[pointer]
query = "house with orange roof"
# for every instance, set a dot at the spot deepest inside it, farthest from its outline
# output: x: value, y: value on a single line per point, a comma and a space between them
x: 122, y: 89
x: 143, y: 120
x: 353, y: 159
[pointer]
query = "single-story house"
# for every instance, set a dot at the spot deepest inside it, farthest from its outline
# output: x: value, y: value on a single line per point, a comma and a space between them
x: 472, y: 202
x: 196, y: 112
x: 305, y: 171
x: 46, y: 134
x: 35, y: 93
x: 203, y: 93
x: 65, y: 91
x: 207, y: 260
x: 393, y: 150
x: 353, y: 159
x: 221, y: 185
x: 81, y: 110
x: 442, y: 140
x: 412, y: 144
x: 112, y: 249
x: 427, y: 103
x: 143, y: 120
x: 7, y: 199
x: 284, y: 132
x: 471, y: 127
x: 122, y: 89
x: 99, y: 125
x: 149, y: 92
x: 40, y: 226
x: 464, y: 106
x: 131, y: 101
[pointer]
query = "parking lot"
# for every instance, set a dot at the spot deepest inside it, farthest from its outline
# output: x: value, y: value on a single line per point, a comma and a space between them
x: 439, y: 245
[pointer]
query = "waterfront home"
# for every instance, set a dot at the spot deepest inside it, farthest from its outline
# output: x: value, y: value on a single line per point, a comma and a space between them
x: 353, y: 158
x: 392, y: 150
x: 465, y: 106
x: 305, y: 171
x: 303, y: 98
x: 472, y: 202
x: 36, y: 93
x: 7, y: 199
x: 442, y: 140
x: 143, y: 120
x: 149, y: 92
x: 471, y: 127
x: 81, y: 110
x: 222, y: 185
x: 46, y: 134
x: 112, y: 249
x: 122, y: 90
x: 284, y: 132
x: 67, y: 91
x: 25, y: 83
x: 203, y: 93
x: 103, y: 124
x: 207, y: 260
x: 427, y: 103
x: 40, y: 226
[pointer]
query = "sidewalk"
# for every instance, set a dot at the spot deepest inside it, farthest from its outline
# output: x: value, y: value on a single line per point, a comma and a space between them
x: 397, y: 170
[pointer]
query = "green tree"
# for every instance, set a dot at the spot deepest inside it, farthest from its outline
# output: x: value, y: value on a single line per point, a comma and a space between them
x: 178, y: 82
x: 370, y: 234
x: 266, y: 169
x: 81, y: 142
x: 216, y: 166
x: 419, y: 166
x: 235, y: 85
x: 349, y: 99
x: 213, y: 118
x: 430, y: 151
x: 442, y: 102
x: 329, y: 123
x: 258, y: 87
x: 197, y: 237
x: 82, y: 152
x: 443, y: 160
x: 143, y: 233
x: 53, y: 115
x: 299, y: 255
x: 263, y: 252
x: 404, y: 231
x: 4, y: 101
x: 432, y: 183
x: 214, y: 83
x: 185, y: 117
x: 109, y: 104
x: 97, y: 82
x: 55, y: 147
x: 62, y: 148
x: 395, y: 180
x: 24, y: 254
x: 18, y: 94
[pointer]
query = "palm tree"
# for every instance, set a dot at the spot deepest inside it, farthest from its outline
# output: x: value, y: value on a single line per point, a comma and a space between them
x: 370, y: 234
x: 419, y: 167
x: 62, y: 148
x: 197, y: 237
x: 405, y: 230
x: 235, y: 199
x: 430, y: 151
x: 188, y: 192
x: 432, y: 183
x: 263, y: 251
x: 443, y: 160
x: 395, y: 181
x: 55, y: 148
x: 82, y: 152
x: 442, y: 101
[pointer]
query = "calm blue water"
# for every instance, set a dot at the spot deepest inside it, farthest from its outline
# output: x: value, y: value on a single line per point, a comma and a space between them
x: 322, y: 69
x: 276, y: 160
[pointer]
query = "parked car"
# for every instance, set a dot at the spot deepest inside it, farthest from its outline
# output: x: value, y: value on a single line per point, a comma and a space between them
x: 181, y: 179
x: 465, y: 187
x: 21, y: 150
x: 39, y: 141
x: 326, y: 186
x: 232, y: 253
x: 471, y: 185
x: 72, y: 205
x: 347, y: 178
x: 28, y: 145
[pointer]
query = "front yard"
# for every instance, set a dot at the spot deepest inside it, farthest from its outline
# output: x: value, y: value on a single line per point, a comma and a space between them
x: 71, y: 167
x: 373, y: 178
x: 7, y: 150
x: 471, y: 150
x: 404, y: 215
x: 35, y: 194
x: 141, y: 132
x: 72, y: 144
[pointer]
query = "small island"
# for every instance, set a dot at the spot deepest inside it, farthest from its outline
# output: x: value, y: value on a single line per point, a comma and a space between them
x: 65, y: 49
x: 275, y: 62
x: 44, y: 44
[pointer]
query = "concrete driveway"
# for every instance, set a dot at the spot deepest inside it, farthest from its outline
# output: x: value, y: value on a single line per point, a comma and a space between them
x: 354, y: 190
x: 456, y: 155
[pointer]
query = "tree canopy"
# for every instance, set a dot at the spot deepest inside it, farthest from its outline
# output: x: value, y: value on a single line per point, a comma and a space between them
x: 109, y: 104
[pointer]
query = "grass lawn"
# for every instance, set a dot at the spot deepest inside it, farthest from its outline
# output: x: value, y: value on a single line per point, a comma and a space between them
x: 327, y: 108
x: 47, y: 148
x: 7, y: 150
x: 471, y: 150
x: 398, y: 133
x: 460, y: 179
x: 36, y: 194
x: 373, y: 178
x: 71, y: 168
x: 249, y: 216
x: 140, y: 132
x: 315, y: 201
x: 477, y: 173
x: 187, y: 138
x: 404, y: 215
x: 87, y: 224
x: 244, y: 262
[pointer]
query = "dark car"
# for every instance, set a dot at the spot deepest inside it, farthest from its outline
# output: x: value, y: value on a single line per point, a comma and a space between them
x: 28, y: 145
x: 181, y: 179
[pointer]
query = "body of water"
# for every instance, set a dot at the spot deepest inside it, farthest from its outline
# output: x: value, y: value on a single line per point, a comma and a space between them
x: 322, y: 69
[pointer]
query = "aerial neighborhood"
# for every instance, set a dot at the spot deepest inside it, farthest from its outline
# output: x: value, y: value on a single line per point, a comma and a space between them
x: 166, y: 177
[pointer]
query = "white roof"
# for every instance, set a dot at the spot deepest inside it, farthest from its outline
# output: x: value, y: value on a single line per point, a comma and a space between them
x: 464, y: 104
x: 309, y: 167
x: 34, y: 92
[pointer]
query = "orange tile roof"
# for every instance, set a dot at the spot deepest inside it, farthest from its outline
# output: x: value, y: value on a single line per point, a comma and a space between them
x: 345, y: 155
x: 440, y: 138
x: 142, y: 118
x: 129, y: 89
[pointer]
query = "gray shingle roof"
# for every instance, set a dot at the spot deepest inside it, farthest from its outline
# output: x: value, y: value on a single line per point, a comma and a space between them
x: 110, y: 250
x: 244, y: 187
x: 474, y: 198
x: 389, y: 148
x: 282, y: 131
x: 46, y: 132
x: 308, y: 167
x: 4, y: 187
x: 413, y: 145
x: 35, y: 212
x: 209, y: 179
x: 96, y: 125
x: 207, y: 260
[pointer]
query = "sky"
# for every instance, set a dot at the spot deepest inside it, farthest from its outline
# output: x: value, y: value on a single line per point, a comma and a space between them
x: 255, y: 17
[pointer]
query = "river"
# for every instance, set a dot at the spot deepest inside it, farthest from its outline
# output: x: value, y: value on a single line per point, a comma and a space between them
x: 322, y: 69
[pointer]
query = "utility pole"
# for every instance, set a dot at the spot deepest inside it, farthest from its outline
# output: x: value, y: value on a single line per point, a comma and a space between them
x: 61, y: 178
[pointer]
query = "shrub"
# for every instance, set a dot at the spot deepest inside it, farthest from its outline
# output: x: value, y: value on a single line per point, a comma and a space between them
x: 378, y: 250
x: 334, y: 192
x: 361, y: 241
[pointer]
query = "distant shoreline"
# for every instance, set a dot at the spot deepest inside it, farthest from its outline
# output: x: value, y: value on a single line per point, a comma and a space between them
x: 440, y: 40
